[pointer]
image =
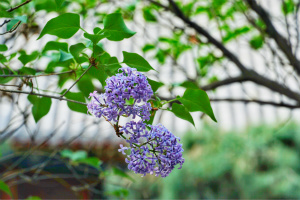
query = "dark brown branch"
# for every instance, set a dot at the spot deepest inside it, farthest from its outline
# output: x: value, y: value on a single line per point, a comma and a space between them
x: 5, y: 22
x: 224, y: 82
x: 246, y: 101
x: 42, y: 95
x: 22, y: 4
x: 247, y: 73
x: 281, y: 41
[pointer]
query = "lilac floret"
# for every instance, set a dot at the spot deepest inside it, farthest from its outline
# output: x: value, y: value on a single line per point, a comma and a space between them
x: 156, y: 151
x: 120, y: 89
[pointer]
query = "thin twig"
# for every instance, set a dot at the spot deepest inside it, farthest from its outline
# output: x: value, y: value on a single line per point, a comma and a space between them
x: 76, y: 81
x: 42, y: 95
x: 35, y: 76
x: 22, y: 4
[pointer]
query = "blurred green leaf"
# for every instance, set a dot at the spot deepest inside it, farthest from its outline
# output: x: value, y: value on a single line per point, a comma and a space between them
x: 121, y: 173
x: 24, y: 58
x: 3, y: 47
x: 154, y: 84
x: 4, y: 187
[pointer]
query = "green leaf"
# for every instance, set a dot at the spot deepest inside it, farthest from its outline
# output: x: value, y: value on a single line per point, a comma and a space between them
x: 4, y: 13
x: 189, y: 84
x: 154, y: 84
x: 85, y: 85
x: 56, y: 46
x: 136, y: 61
x: 59, y: 3
x: 148, y: 47
x: 65, y: 56
x: 4, y: 187
x: 63, y: 26
x: 74, y: 156
x: 121, y: 173
x: 33, y: 198
x: 181, y: 112
x: 76, y: 49
x: 257, y: 42
x: 75, y: 106
x: 113, y: 66
x: 92, y: 161
x: 41, y: 106
x: 15, y: 20
x: 7, y: 79
x: 94, y: 38
x: 27, y: 70
x: 197, y: 100
x: 115, y: 26
x: 24, y: 58
x: 3, y: 47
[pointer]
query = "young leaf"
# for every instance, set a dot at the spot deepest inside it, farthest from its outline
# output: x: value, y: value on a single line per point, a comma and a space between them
x: 154, y: 84
x: 4, y: 187
x: 75, y: 106
x: 65, y: 56
x: 74, y: 156
x: 63, y: 26
x: 115, y: 26
x: 76, y: 49
x: 136, y: 61
x: 85, y: 85
x: 41, y: 106
x: 197, y: 100
x: 181, y: 112
x: 3, y: 47
x: 56, y: 46
x: 94, y: 38
x: 15, y: 20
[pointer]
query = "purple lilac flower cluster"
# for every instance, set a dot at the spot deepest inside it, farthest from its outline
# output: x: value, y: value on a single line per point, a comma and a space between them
x: 156, y: 151
x: 119, y: 90
x: 153, y: 149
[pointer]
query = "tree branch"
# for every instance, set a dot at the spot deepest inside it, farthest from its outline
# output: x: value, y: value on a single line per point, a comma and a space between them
x: 281, y: 41
x: 227, y: 81
x: 34, y: 76
x: 22, y: 4
x: 246, y: 101
x: 42, y: 95
x: 247, y: 73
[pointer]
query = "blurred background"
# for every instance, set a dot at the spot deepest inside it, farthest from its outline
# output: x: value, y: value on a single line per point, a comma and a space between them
x: 243, y: 53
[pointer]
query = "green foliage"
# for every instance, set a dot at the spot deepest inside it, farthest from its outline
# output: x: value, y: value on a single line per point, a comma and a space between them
x: 33, y: 198
x: 77, y: 96
x: 136, y: 61
x: 4, y: 187
x: 116, y: 28
x: 41, y: 106
x: 81, y: 157
x: 24, y: 58
x: 154, y: 84
x: 257, y: 42
x: 56, y: 46
x: 13, y: 22
x: 182, y: 112
x: 4, y: 13
x: 261, y: 163
x: 63, y: 26
x: 197, y: 100
x: 3, y: 47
